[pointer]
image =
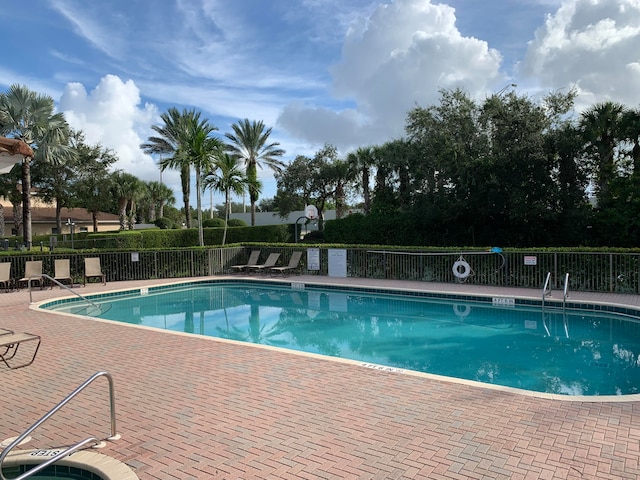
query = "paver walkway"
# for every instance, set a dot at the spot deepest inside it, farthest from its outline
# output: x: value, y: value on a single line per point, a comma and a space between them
x: 197, y: 408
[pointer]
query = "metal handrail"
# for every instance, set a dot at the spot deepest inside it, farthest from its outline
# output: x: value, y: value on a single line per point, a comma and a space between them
x: 70, y: 450
x: 63, y: 286
x: 565, y: 293
x: 546, y: 289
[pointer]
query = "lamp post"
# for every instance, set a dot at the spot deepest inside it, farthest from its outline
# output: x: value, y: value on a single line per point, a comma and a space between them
x: 71, y: 225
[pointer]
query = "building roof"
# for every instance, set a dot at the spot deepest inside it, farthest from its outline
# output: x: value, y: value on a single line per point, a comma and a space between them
x: 76, y: 215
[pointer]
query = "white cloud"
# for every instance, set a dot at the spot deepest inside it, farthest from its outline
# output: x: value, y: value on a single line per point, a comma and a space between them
x: 399, y: 56
x: 593, y: 45
x: 112, y: 115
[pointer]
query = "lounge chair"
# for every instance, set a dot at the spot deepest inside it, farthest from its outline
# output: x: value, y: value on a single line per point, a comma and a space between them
x: 10, y: 344
x: 253, y: 260
x: 272, y: 259
x: 92, y: 270
x: 62, y: 271
x: 294, y: 261
x: 32, y: 273
x: 5, y: 276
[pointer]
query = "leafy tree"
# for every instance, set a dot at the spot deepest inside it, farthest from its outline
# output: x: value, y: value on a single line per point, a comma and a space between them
x: 93, y: 185
x: 227, y: 178
x: 250, y: 142
x: 31, y: 117
x: 308, y: 181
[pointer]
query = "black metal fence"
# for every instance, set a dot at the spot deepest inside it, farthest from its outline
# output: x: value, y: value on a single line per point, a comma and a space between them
x: 596, y: 272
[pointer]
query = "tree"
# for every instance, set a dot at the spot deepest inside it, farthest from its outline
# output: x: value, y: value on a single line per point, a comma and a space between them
x: 362, y: 160
x: 171, y: 136
x: 603, y: 130
x: 308, y: 181
x: 159, y: 195
x: 30, y: 117
x: 249, y: 142
x: 226, y: 178
x: 200, y: 150
x: 125, y: 189
x: 92, y: 185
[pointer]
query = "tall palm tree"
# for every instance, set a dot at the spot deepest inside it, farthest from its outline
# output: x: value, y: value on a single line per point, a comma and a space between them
x: 227, y: 178
x: 200, y: 150
x: 171, y: 136
x: 30, y: 117
x: 249, y: 142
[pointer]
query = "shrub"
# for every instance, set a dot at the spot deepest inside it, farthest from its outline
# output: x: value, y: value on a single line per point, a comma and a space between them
x: 165, y: 223
x: 213, y: 223
x: 236, y: 222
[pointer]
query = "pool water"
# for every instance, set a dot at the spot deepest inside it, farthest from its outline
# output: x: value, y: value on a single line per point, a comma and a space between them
x: 577, y: 352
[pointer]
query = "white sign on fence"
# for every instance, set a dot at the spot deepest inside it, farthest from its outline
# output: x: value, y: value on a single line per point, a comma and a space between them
x: 313, y: 259
x: 337, y: 262
x: 530, y: 260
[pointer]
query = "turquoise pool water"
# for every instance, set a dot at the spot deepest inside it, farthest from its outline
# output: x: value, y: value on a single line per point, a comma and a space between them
x: 576, y: 352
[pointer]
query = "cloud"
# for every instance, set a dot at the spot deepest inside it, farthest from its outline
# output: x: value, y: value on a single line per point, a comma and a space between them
x: 592, y: 45
x: 399, y: 56
x: 112, y: 115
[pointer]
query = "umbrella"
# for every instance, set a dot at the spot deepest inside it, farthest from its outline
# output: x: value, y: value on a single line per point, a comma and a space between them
x: 12, y: 151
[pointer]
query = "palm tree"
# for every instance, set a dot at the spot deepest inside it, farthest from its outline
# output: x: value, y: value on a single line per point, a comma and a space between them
x: 171, y: 136
x: 227, y: 178
x: 602, y: 127
x: 249, y: 143
x: 125, y: 187
x: 362, y: 160
x: 631, y: 125
x: 159, y: 196
x: 200, y: 149
x: 30, y: 117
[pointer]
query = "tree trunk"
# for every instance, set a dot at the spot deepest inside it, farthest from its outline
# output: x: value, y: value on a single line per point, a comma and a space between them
x: 58, y: 216
x: 26, y: 202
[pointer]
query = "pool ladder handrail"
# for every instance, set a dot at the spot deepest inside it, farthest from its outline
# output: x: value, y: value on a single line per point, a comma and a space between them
x: 565, y: 293
x: 546, y: 289
x: 114, y: 436
x: 62, y: 285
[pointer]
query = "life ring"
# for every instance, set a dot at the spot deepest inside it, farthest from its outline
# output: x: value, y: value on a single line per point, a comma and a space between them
x: 461, y: 311
x: 464, y: 273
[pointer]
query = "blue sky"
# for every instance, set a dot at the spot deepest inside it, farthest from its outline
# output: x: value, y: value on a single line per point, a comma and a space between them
x: 338, y: 71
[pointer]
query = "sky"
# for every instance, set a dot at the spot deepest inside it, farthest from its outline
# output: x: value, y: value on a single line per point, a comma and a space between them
x: 344, y: 72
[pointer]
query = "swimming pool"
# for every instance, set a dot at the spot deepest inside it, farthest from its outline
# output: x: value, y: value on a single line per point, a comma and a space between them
x: 497, y: 341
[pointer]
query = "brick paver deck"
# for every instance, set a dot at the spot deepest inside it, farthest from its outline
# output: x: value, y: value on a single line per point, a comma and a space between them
x: 193, y: 408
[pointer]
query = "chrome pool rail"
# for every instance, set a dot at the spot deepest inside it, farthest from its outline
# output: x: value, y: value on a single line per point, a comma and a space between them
x: 51, y: 279
x: 546, y: 289
x: 114, y: 436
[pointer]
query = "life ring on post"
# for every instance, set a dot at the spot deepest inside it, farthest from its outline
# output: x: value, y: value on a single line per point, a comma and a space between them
x: 461, y: 269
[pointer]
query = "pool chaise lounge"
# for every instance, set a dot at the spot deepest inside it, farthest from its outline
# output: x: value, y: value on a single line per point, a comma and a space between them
x: 92, y: 269
x: 294, y: 262
x: 272, y: 259
x: 10, y: 343
x: 253, y: 260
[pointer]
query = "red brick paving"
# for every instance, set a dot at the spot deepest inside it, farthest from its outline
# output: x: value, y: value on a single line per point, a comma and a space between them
x: 190, y: 407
